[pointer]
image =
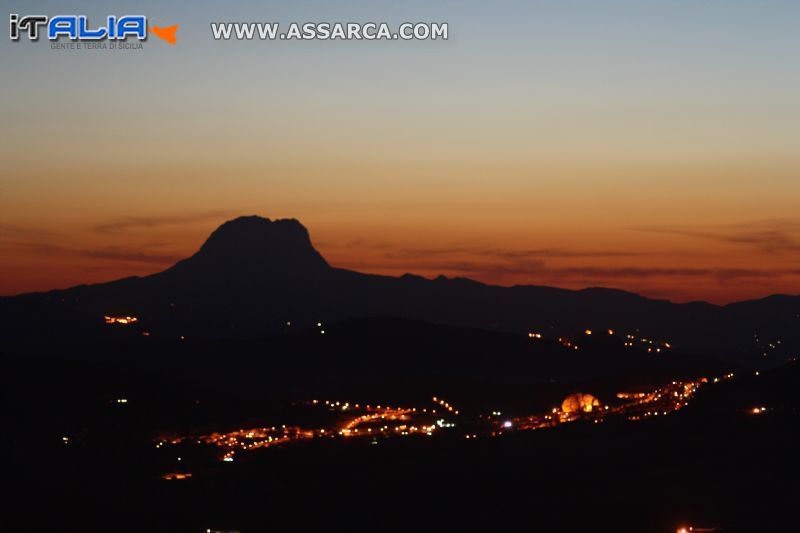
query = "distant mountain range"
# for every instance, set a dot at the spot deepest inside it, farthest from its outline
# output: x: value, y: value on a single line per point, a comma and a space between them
x: 255, y: 277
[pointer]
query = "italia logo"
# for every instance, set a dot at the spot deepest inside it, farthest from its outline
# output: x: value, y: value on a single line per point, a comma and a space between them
x: 78, y: 28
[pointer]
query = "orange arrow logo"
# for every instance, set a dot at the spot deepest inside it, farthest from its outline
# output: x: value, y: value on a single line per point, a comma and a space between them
x: 167, y: 33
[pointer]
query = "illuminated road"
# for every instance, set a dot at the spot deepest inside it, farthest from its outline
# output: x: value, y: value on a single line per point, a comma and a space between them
x: 357, y: 422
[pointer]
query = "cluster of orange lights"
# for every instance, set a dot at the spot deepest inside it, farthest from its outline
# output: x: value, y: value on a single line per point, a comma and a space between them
x: 244, y: 439
x: 386, y: 421
x: 351, y: 427
x: 568, y: 343
x: 124, y: 320
x: 378, y: 420
x: 564, y: 341
x: 444, y: 404
x: 638, y: 405
x: 652, y: 346
x: 176, y: 476
x: 662, y: 400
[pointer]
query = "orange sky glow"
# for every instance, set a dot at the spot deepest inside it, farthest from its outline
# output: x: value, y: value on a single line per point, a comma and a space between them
x: 648, y: 148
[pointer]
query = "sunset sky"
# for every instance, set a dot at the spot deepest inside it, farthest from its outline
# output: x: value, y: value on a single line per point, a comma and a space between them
x: 650, y: 146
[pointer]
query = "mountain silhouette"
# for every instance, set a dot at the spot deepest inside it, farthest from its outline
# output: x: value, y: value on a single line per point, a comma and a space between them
x: 255, y: 277
x: 254, y: 250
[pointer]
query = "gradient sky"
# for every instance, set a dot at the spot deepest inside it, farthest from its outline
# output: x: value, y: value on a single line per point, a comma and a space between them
x: 647, y: 145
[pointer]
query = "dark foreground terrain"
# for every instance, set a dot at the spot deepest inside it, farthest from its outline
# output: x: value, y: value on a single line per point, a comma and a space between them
x: 84, y: 422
